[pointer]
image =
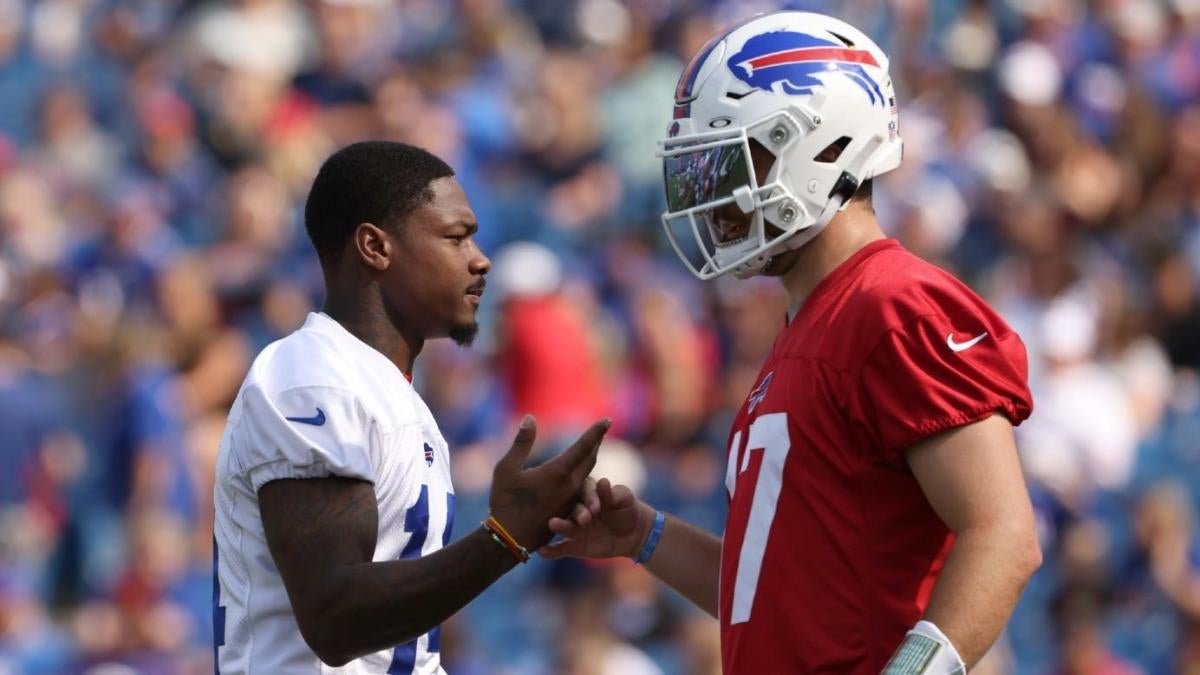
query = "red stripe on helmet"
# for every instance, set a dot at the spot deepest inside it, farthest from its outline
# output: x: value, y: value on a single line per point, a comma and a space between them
x: 813, y: 54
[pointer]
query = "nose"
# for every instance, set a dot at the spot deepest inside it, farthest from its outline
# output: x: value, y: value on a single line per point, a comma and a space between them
x: 480, y: 264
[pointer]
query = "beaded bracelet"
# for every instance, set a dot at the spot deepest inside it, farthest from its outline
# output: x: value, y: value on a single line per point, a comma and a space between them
x: 503, y: 538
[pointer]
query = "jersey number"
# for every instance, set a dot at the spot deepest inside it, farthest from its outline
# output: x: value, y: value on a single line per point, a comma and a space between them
x: 416, y: 522
x: 768, y: 433
x: 218, y: 613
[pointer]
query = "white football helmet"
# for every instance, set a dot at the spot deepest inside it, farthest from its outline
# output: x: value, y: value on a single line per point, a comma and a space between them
x: 803, y: 86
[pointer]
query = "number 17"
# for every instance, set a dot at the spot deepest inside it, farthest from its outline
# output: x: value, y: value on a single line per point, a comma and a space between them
x: 768, y: 433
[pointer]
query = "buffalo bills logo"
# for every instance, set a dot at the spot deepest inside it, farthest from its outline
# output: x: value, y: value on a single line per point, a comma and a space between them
x: 789, y: 63
x: 428, y: 454
x: 759, y: 393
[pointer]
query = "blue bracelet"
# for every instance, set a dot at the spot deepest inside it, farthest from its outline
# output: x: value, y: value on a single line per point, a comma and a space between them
x: 660, y: 519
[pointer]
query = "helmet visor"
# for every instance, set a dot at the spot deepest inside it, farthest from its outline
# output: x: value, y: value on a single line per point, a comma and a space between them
x: 702, y: 176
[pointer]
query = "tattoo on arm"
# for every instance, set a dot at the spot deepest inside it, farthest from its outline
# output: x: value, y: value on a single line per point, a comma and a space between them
x: 320, y: 523
x: 322, y: 535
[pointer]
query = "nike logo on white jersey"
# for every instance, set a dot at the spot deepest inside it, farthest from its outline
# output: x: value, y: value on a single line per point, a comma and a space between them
x: 963, y: 346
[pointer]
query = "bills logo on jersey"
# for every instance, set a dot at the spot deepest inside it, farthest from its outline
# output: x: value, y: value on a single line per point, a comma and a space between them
x: 785, y: 62
x: 759, y: 393
x: 428, y: 454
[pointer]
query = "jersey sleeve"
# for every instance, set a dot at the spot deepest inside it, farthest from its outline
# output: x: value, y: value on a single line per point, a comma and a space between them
x: 936, y: 373
x: 304, y: 432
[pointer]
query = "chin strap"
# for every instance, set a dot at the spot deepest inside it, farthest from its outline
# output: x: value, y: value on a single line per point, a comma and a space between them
x: 809, y: 233
x: 761, y: 262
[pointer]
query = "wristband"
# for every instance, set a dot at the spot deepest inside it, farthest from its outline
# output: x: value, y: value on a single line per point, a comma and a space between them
x: 925, y: 651
x: 660, y: 519
x: 503, y: 538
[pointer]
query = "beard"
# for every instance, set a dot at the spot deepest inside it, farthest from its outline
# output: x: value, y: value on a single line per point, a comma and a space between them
x: 464, y: 335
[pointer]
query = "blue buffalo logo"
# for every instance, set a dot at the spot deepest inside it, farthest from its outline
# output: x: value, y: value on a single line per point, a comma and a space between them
x: 759, y: 393
x: 786, y: 62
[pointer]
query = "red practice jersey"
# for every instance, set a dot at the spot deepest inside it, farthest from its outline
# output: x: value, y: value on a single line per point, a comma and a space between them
x: 831, y: 549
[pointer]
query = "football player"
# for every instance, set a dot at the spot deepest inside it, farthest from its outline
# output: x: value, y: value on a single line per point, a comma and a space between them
x: 333, y: 497
x: 878, y: 518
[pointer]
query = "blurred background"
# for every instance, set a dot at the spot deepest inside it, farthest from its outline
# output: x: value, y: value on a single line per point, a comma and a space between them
x: 154, y: 160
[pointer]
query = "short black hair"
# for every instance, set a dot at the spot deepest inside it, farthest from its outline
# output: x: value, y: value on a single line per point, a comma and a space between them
x: 378, y: 182
x: 865, y: 192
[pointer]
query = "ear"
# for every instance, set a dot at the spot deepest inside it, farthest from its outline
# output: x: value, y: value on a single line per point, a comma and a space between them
x: 372, y: 246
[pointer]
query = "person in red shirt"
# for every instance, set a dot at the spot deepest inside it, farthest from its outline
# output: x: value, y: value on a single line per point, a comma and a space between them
x: 545, y: 357
x: 878, y: 517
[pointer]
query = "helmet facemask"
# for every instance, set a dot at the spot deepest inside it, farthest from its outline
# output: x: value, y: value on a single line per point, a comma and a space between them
x: 712, y: 188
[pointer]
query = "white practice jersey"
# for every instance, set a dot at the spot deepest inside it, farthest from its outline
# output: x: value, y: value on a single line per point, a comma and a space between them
x: 318, y: 403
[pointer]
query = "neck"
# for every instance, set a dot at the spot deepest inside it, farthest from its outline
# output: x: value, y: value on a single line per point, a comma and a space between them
x: 849, y: 231
x: 365, y: 316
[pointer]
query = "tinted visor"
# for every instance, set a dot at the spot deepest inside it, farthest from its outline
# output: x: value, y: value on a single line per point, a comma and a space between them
x: 695, y: 178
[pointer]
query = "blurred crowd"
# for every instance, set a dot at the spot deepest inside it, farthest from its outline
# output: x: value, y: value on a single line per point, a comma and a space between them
x: 154, y: 160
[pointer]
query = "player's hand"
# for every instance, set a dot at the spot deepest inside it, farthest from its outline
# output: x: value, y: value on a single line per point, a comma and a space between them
x: 524, y: 500
x: 587, y: 506
x: 619, y: 529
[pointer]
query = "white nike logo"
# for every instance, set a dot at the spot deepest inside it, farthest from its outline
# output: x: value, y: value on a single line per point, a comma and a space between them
x: 963, y: 346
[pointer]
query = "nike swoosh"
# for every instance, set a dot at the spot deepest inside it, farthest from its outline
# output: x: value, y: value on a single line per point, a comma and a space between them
x: 317, y: 420
x: 963, y: 346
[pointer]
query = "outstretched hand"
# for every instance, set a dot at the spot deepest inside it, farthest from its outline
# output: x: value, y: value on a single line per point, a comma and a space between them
x: 524, y: 500
x: 617, y: 529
